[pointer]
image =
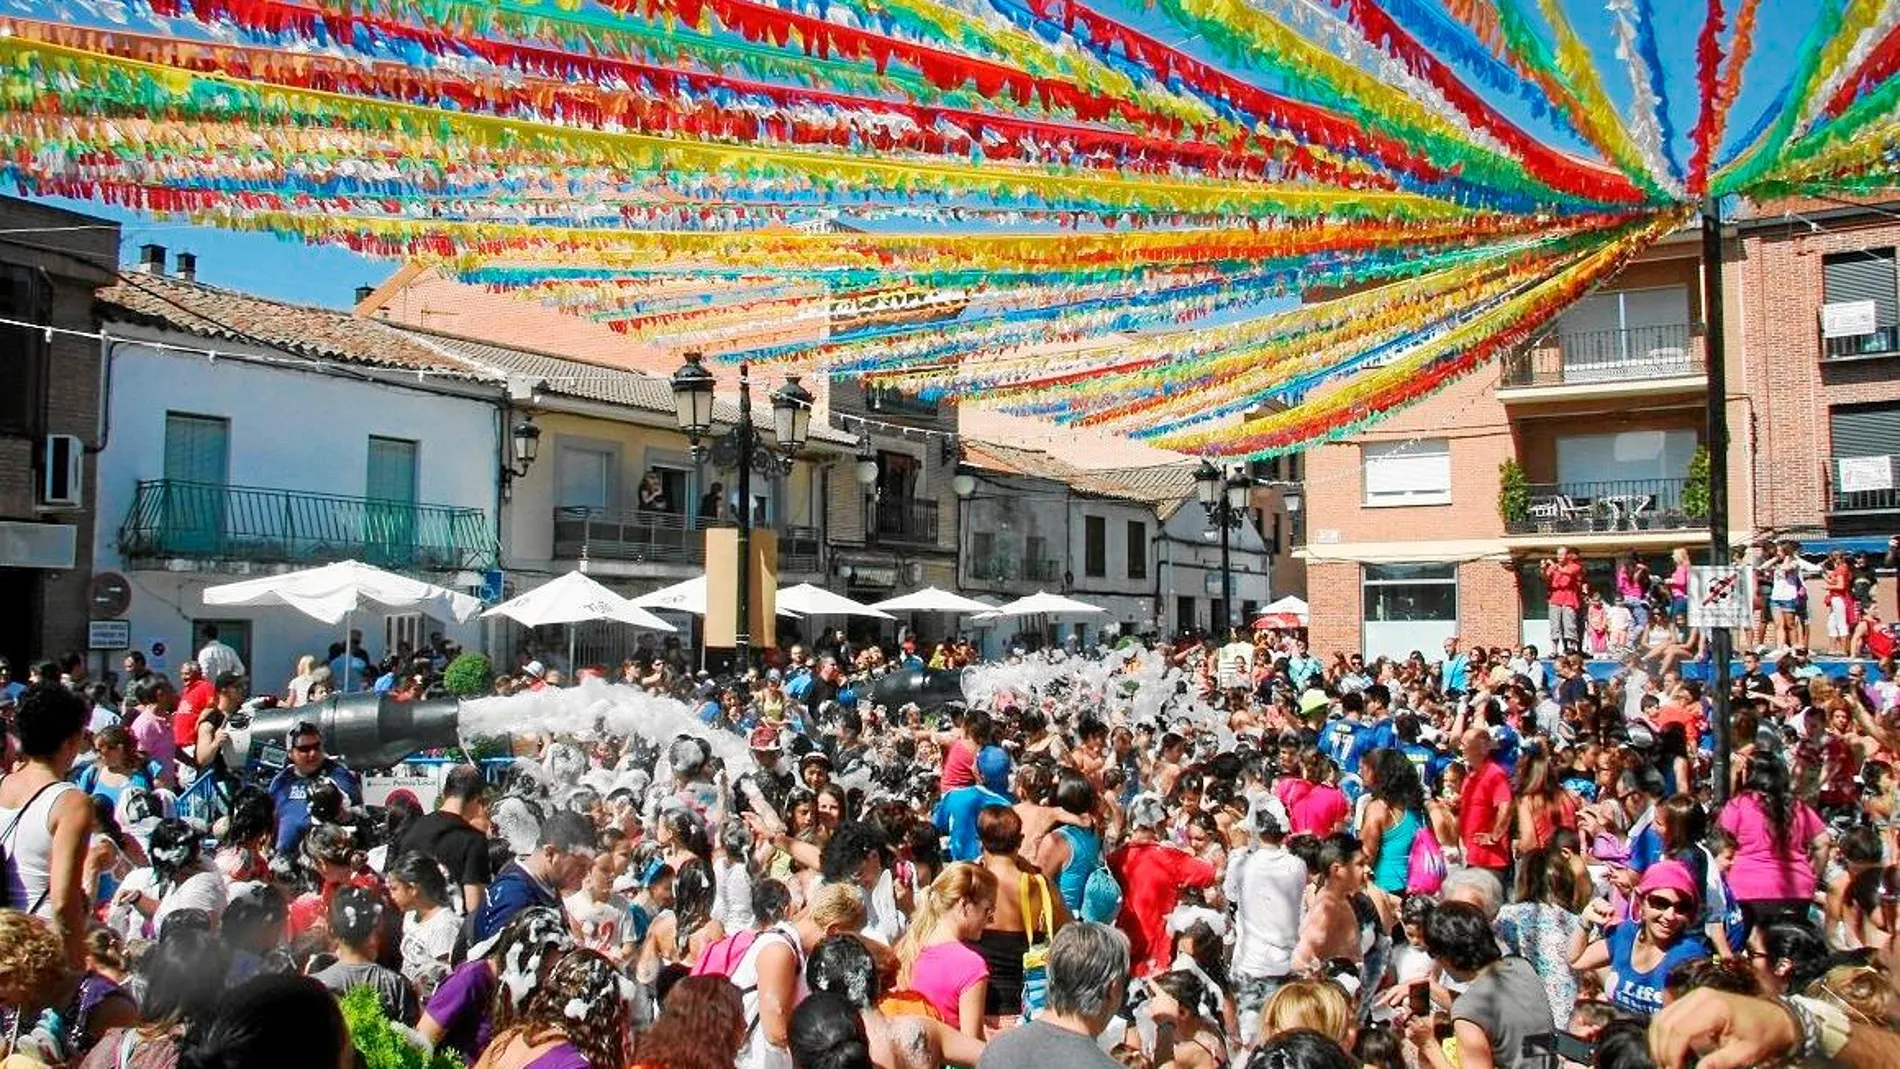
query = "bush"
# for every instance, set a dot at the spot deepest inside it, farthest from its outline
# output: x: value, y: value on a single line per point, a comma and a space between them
x: 1514, y: 493
x: 1695, y: 491
x: 469, y: 676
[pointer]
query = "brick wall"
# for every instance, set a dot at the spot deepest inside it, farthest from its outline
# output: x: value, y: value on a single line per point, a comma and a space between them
x: 1333, y: 603
x: 77, y: 262
x: 1779, y: 279
x: 1488, y: 604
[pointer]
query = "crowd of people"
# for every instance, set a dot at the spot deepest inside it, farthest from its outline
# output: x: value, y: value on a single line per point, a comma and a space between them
x: 1194, y: 853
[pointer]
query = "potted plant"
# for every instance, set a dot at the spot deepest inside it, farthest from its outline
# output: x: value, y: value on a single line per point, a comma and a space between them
x: 1514, y: 494
x: 1695, y: 488
x: 469, y: 676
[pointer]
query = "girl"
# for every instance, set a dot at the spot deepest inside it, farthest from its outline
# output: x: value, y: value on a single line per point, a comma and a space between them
x: 429, y: 927
x: 178, y: 878
x: 356, y: 922
x: 1596, y: 628
x: 1840, y: 603
x: 488, y: 993
x: 932, y: 958
x: 577, y: 1019
x: 1632, y: 589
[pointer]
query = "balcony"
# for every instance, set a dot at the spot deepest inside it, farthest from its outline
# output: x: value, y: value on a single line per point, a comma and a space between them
x: 1015, y: 570
x: 1863, y: 485
x: 907, y: 519
x: 799, y: 548
x: 1882, y: 342
x: 176, y: 520
x: 1600, y: 362
x: 627, y: 535
x: 1620, y: 506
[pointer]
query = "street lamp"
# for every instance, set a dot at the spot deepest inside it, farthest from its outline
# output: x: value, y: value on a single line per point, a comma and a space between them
x: 524, y: 446
x: 791, y: 424
x: 1224, y: 498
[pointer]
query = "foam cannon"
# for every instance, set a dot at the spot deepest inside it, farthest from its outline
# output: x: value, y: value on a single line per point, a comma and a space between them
x: 931, y: 689
x: 366, y: 730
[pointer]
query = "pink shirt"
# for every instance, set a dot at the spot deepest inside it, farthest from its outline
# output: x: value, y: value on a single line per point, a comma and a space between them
x: 154, y: 737
x: 942, y: 973
x: 1315, y: 809
x: 1765, y: 870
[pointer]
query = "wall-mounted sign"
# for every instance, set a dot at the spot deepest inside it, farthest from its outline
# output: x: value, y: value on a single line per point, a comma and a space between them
x: 109, y: 635
x: 1849, y: 319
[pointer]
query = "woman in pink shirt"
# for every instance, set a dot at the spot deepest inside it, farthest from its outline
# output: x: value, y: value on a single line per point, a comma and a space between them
x: 1679, y: 583
x: 932, y: 957
x: 1780, y: 845
x: 1313, y: 805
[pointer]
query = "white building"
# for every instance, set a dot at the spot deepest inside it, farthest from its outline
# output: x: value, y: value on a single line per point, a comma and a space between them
x: 310, y: 436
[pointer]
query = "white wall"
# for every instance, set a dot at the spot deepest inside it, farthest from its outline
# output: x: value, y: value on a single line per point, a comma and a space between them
x: 1191, y: 553
x: 290, y: 429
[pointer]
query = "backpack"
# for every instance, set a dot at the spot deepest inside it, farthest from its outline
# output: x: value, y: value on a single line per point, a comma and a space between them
x: 1035, y: 954
x: 1101, y: 894
x: 1425, y: 868
x: 6, y: 841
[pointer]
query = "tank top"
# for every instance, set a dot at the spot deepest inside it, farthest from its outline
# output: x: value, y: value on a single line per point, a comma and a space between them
x: 1641, y: 992
x: 29, y: 848
x: 1395, y: 854
x: 1085, y: 856
x: 758, y: 1052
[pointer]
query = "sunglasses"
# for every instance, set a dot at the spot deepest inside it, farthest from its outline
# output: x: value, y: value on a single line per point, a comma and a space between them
x: 1681, y: 907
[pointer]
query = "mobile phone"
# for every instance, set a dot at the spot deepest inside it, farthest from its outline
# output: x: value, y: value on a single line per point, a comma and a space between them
x: 1421, y: 999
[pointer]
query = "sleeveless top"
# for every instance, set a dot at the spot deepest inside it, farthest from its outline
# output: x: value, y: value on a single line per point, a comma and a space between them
x: 1085, y: 856
x: 1395, y: 853
x: 29, y: 847
x: 758, y: 1052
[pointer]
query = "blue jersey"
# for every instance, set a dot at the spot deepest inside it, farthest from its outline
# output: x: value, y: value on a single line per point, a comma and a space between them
x: 1429, y: 762
x: 1341, y: 742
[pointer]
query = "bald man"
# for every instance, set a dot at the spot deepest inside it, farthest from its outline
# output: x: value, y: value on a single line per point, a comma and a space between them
x: 1484, y: 809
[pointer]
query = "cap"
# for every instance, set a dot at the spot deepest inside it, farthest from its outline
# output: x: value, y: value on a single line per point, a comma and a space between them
x: 764, y: 737
x: 1314, y: 701
x: 535, y: 669
x: 1670, y: 876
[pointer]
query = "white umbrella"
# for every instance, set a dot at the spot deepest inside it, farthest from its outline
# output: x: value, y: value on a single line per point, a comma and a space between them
x: 812, y: 600
x: 689, y: 596
x: 1042, y: 603
x: 333, y: 592
x: 1291, y: 605
x: 931, y: 599
x: 575, y: 598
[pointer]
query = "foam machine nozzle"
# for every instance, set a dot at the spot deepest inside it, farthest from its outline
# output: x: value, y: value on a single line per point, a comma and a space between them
x: 931, y: 689
x: 365, y: 730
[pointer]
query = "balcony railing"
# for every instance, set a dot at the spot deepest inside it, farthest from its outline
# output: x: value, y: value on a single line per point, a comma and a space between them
x: 907, y: 519
x: 1882, y: 342
x: 1606, y: 507
x: 175, y: 519
x: 1863, y: 484
x: 632, y: 535
x: 1012, y: 569
x: 799, y: 549
x: 1595, y: 357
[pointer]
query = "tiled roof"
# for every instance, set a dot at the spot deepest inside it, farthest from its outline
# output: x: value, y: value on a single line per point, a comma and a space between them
x: 1164, y: 486
x: 227, y: 315
x: 589, y: 382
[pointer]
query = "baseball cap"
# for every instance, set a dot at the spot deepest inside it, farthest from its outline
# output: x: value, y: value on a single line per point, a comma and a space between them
x: 1314, y: 701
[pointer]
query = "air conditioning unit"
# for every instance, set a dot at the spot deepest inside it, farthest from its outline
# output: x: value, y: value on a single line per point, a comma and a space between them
x: 63, y: 472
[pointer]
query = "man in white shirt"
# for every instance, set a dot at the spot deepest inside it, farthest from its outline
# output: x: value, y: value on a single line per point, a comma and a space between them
x: 1267, y: 886
x: 216, y: 658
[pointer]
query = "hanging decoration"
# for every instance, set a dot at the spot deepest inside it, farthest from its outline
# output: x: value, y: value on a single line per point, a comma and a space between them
x: 1158, y: 219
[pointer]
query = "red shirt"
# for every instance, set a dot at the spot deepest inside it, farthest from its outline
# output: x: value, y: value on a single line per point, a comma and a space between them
x: 198, y: 696
x: 1151, y: 875
x: 1566, y: 583
x: 1487, y: 793
x: 959, y: 766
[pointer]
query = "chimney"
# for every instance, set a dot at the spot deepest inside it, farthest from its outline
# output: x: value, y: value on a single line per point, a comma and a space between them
x: 187, y: 265
x: 363, y: 293
x: 152, y: 259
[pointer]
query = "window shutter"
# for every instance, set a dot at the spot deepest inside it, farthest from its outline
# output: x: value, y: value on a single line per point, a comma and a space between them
x: 1867, y: 275
x: 1406, y: 469
x: 1866, y: 432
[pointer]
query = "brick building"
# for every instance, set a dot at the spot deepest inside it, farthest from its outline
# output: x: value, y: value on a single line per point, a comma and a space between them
x: 1598, y: 425
x: 51, y: 262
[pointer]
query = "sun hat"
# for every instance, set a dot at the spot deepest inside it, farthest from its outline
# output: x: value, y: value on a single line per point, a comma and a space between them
x: 1313, y: 701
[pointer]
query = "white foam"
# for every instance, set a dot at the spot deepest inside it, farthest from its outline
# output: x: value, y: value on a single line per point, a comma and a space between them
x: 598, y: 706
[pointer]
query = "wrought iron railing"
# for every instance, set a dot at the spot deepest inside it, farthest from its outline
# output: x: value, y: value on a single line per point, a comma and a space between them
x: 999, y: 569
x: 1863, y: 484
x: 1592, y: 357
x: 907, y: 519
x: 1606, y: 506
x: 800, y: 549
x: 628, y: 534
x: 177, y: 519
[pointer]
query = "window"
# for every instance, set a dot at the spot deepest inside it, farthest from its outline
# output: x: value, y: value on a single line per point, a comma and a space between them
x: 1603, y: 334
x: 24, y: 296
x: 1035, y: 551
x: 982, y: 546
x: 233, y: 633
x: 1184, y: 613
x: 1863, y: 277
x: 1408, y: 473
x: 1585, y: 461
x: 392, y: 470
x: 1137, y: 550
x: 1865, y: 464
x: 1410, y: 592
x: 1094, y: 546
x: 583, y: 478
x: 890, y: 401
x: 677, y: 485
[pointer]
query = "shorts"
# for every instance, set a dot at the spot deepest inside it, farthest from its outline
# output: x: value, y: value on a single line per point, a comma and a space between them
x: 1250, y: 997
x: 1837, y: 618
x: 1785, y: 604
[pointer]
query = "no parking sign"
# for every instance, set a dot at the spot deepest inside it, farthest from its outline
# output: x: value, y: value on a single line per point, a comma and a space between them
x: 1721, y: 596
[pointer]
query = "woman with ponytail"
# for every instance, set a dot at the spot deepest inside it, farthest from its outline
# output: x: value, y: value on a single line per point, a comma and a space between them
x: 932, y: 958
x: 1780, y: 845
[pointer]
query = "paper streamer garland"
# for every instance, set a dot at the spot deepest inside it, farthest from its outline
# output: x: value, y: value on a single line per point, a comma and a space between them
x: 1093, y: 211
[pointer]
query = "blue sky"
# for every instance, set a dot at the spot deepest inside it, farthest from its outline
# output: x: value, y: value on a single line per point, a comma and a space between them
x: 328, y: 276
